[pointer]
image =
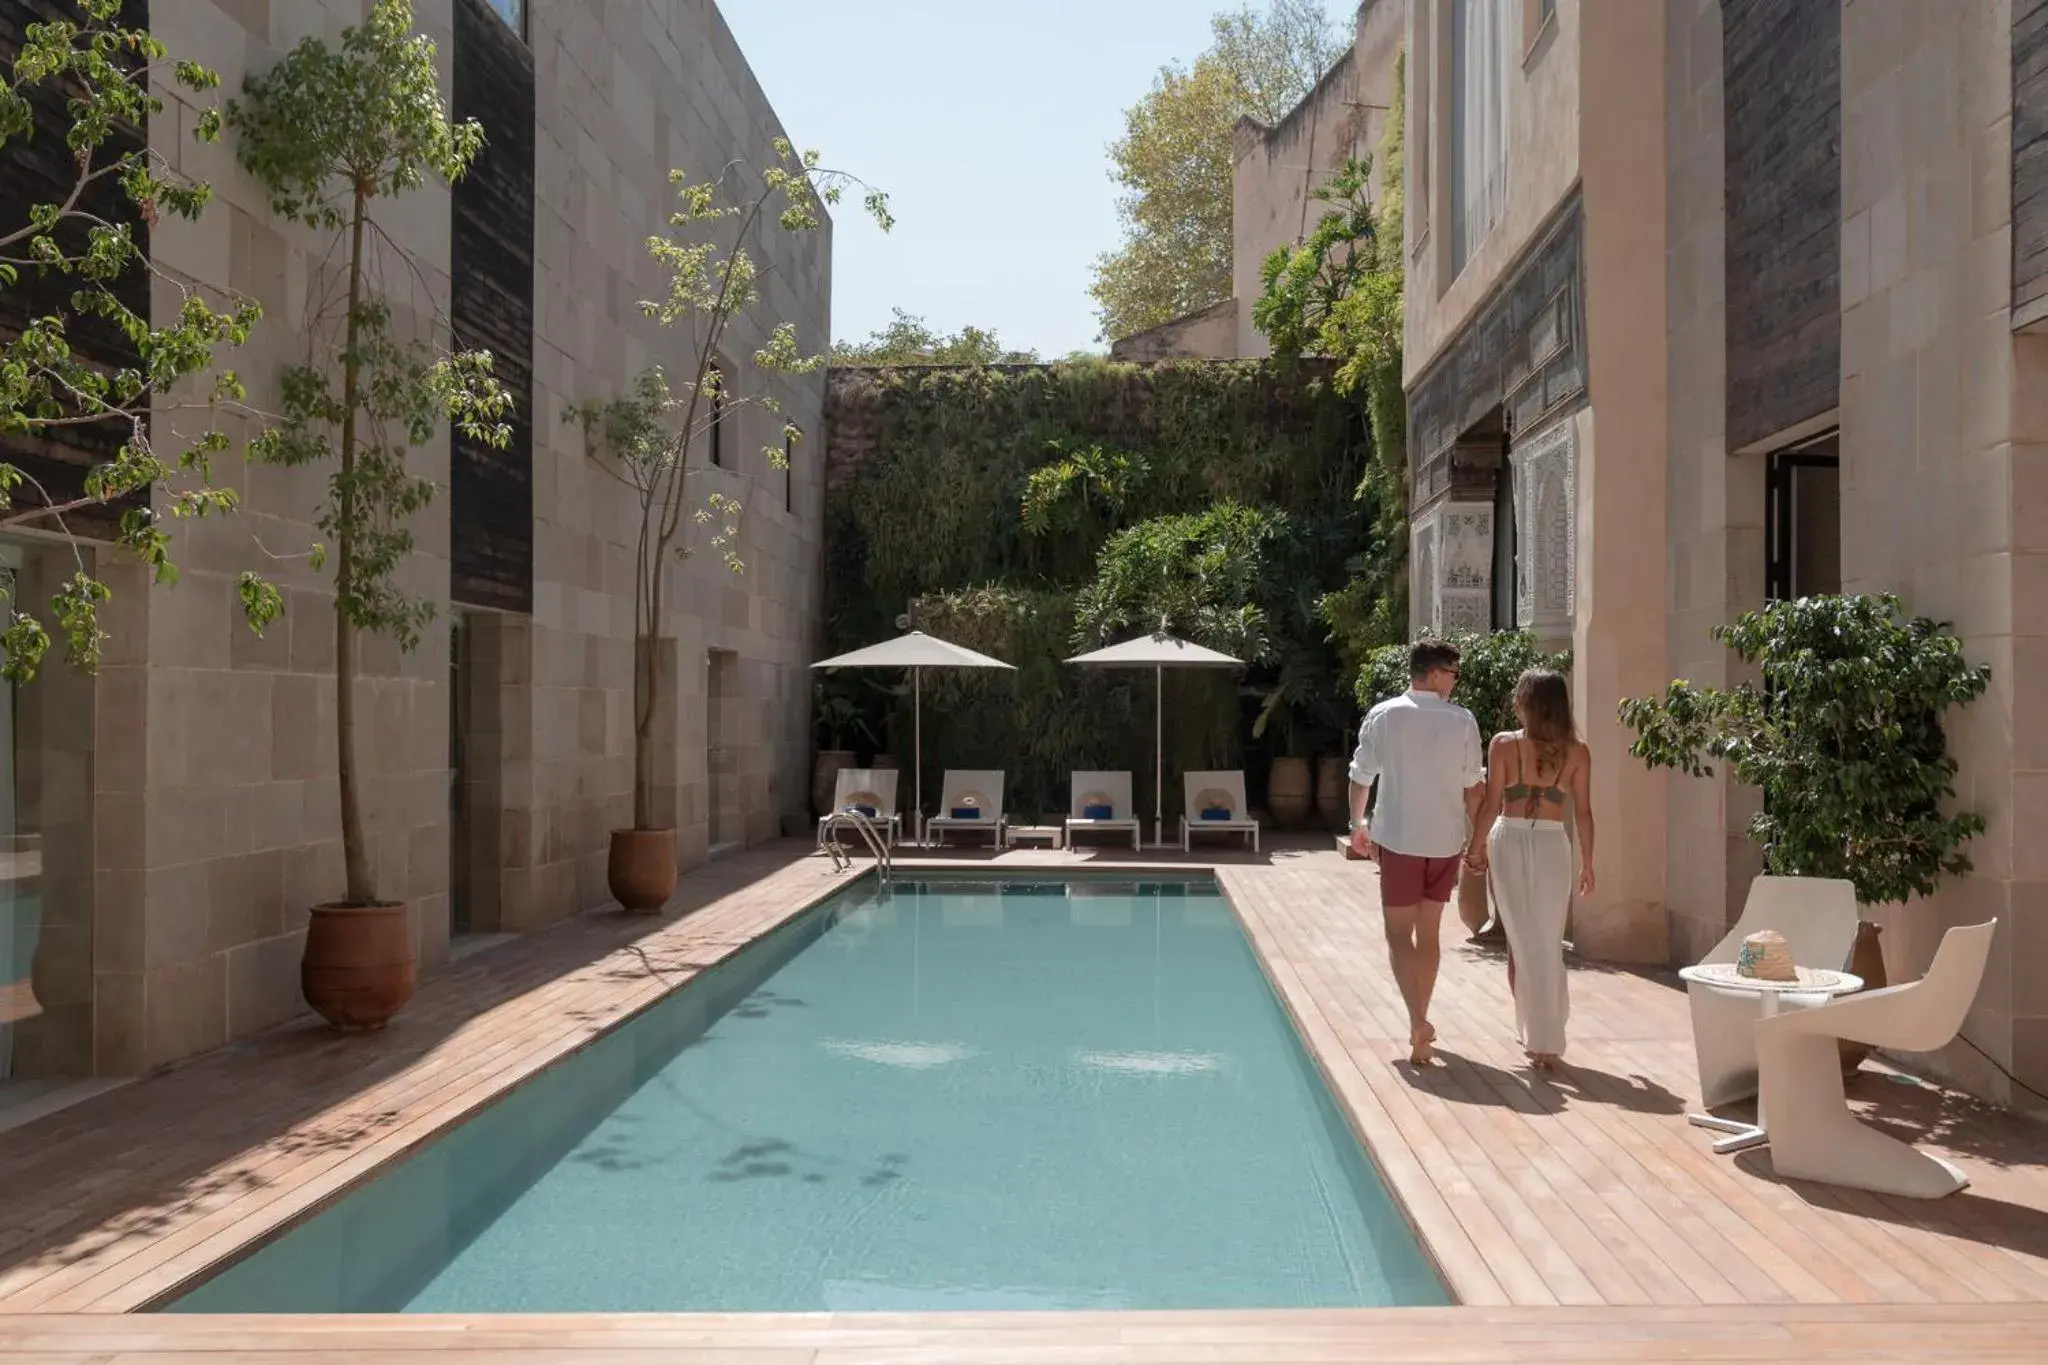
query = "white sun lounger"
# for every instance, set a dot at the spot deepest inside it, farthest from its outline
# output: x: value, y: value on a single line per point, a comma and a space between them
x: 870, y: 791
x: 1100, y: 793
x: 1215, y: 805
x: 969, y: 801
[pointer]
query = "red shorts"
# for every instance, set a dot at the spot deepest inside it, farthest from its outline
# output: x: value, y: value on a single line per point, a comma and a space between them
x: 1407, y: 880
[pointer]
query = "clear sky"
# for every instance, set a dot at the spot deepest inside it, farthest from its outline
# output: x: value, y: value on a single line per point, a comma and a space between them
x: 989, y: 124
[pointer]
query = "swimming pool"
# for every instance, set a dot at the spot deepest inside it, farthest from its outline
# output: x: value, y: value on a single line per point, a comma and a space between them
x: 941, y: 1094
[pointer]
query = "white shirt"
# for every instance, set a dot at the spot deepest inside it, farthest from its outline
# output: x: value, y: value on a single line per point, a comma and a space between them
x: 1425, y: 751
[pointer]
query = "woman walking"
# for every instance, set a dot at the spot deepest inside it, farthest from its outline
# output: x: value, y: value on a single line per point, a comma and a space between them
x: 1520, y: 834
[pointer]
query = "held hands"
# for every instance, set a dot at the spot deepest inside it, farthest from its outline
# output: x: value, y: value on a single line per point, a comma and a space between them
x: 1475, y: 860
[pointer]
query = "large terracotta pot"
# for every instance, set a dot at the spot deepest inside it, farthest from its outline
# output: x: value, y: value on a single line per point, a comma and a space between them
x: 1472, y: 906
x: 358, y: 969
x: 1866, y: 960
x: 1287, y: 792
x: 1333, y: 793
x: 641, y: 870
x: 825, y: 772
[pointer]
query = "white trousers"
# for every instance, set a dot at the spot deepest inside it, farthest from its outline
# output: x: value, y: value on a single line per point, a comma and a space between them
x: 1532, y: 883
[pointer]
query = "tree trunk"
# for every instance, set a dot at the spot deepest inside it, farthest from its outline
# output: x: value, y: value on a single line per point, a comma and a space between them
x: 358, y: 889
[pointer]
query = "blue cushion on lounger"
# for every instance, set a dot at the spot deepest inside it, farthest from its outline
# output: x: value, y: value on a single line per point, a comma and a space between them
x: 1098, y: 812
x: 966, y: 813
x: 867, y: 811
x: 1216, y: 813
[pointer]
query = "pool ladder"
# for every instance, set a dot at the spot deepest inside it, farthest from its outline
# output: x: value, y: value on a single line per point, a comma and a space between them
x: 841, y: 859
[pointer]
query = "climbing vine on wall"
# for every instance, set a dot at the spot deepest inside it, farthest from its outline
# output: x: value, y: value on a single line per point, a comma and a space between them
x: 1031, y: 511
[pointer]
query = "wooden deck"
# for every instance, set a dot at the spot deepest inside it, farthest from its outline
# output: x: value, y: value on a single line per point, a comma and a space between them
x: 1399, y: 1336
x: 1577, y: 1218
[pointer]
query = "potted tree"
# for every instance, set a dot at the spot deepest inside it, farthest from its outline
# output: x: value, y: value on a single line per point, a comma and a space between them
x: 333, y: 133
x: 1843, y: 737
x: 656, y: 442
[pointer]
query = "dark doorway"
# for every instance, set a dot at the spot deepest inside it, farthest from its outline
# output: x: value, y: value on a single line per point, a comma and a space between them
x: 1803, y: 521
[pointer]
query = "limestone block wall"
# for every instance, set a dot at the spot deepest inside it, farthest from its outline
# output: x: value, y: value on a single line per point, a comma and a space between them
x: 1279, y: 169
x: 1714, y: 501
x: 215, y: 803
x: 213, y: 816
x: 625, y: 93
x: 1543, y: 119
x: 1945, y: 459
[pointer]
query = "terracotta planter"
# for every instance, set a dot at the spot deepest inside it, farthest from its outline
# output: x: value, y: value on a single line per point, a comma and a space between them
x: 1333, y: 793
x: 1866, y: 960
x: 825, y: 770
x: 641, y: 870
x: 1287, y: 792
x: 358, y: 969
x: 1472, y: 906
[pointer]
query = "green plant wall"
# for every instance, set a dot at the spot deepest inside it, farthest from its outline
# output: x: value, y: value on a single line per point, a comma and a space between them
x: 930, y: 474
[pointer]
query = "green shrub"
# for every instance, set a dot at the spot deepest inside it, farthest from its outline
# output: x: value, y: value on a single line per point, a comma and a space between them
x: 1843, y: 737
x: 1488, y: 667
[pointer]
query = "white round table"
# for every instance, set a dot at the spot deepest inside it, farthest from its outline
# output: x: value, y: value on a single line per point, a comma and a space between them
x: 1721, y: 976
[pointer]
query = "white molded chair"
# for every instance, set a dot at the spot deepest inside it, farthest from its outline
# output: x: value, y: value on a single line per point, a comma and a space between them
x: 1215, y: 805
x: 1103, y: 791
x: 969, y: 800
x: 1814, y: 1136
x: 865, y: 790
x: 1817, y: 916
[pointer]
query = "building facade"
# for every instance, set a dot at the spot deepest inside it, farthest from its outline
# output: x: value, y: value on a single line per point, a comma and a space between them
x: 172, y: 818
x: 1712, y: 302
x: 1274, y: 180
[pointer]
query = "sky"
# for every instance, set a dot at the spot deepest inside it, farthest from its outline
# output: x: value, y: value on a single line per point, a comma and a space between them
x: 989, y: 125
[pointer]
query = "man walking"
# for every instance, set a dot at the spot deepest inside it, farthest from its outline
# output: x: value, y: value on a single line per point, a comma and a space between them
x: 1424, y: 752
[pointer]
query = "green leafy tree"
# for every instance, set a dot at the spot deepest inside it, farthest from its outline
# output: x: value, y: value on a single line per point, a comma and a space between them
x: 1338, y: 295
x: 1843, y: 736
x: 1174, y: 166
x: 1488, y: 666
x: 647, y: 442
x: 1212, y: 577
x: 67, y: 263
x: 333, y: 133
x: 909, y: 340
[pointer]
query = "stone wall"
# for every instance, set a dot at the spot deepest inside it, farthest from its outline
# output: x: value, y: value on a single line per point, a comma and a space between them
x: 2030, y: 161
x: 1210, y: 334
x: 214, y: 804
x: 1945, y: 463
x: 1783, y: 111
x: 1714, y: 501
x: 1279, y: 168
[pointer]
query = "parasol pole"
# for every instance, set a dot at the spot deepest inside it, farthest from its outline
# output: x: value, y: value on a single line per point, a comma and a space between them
x: 1158, y: 756
x: 917, y: 748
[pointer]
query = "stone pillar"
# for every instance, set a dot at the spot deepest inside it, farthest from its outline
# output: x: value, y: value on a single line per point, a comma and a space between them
x: 1546, y: 533
x: 1620, y: 448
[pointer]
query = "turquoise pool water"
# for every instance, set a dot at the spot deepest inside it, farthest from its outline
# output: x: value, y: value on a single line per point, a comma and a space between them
x: 941, y: 1095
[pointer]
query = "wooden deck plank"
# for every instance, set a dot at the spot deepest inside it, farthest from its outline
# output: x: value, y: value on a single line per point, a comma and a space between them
x: 1576, y: 1217
x: 1756, y: 1335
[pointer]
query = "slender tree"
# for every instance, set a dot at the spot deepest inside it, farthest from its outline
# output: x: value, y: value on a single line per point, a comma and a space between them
x: 333, y: 133
x: 66, y: 265
x: 648, y: 441
x: 1174, y: 165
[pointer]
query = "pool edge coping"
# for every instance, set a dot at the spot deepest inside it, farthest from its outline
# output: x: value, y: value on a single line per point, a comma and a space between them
x: 264, y: 1231
x: 270, y: 1230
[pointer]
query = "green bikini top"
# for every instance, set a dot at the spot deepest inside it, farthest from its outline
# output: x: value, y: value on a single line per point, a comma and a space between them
x: 1521, y: 790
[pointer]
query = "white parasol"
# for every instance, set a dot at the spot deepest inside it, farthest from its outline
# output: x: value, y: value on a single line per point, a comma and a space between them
x: 1157, y: 652
x: 916, y: 651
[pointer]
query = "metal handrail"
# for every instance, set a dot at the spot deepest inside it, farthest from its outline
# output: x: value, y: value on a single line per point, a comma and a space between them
x: 876, y: 844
